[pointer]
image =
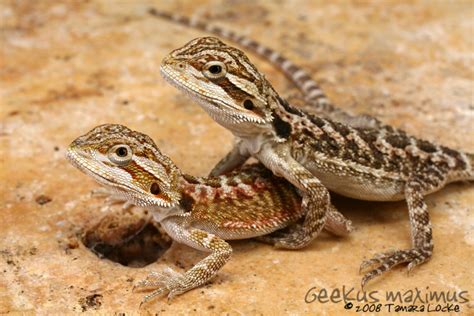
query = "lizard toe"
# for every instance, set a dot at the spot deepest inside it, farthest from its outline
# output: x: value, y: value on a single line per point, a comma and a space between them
x: 167, y: 280
x: 377, y: 259
x: 386, y: 261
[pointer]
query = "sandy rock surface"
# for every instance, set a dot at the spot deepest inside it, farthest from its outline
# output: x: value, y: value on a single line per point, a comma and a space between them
x: 67, y: 66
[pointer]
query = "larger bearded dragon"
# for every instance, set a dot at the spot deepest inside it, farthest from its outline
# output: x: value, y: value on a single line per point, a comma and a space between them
x: 316, y: 154
x: 200, y: 212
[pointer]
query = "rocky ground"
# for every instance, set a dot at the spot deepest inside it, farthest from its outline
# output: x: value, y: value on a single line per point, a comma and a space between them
x: 67, y: 66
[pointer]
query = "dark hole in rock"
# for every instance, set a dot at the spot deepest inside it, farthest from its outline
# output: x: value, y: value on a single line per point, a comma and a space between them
x: 43, y: 199
x: 127, y: 238
x: 93, y: 301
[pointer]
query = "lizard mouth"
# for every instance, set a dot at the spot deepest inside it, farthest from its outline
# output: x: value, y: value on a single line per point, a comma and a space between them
x: 209, y: 103
x: 99, y: 171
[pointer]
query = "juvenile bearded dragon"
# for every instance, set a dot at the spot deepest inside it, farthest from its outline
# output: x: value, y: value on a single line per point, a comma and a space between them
x: 313, y: 153
x: 197, y: 211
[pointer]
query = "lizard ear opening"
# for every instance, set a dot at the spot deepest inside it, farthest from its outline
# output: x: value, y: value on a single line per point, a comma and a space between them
x: 248, y: 104
x: 155, y: 188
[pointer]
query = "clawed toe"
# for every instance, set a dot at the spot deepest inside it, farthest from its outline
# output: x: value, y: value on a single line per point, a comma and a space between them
x: 102, y: 192
x: 386, y: 261
x: 166, y: 280
x: 152, y: 295
x: 144, y: 284
x: 377, y: 259
x: 111, y: 197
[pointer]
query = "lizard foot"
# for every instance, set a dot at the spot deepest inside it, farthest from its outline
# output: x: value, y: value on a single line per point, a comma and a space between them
x: 292, y: 241
x: 287, y: 238
x: 112, y: 197
x: 386, y: 261
x: 271, y: 240
x: 166, y: 281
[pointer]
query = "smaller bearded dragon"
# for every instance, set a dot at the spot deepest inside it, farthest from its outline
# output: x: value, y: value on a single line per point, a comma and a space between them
x: 201, y: 212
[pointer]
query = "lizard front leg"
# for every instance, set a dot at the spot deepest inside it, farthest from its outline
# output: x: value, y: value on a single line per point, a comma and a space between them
x: 112, y: 197
x: 234, y: 159
x: 421, y: 233
x: 315, y: 202
x: 176, y: 283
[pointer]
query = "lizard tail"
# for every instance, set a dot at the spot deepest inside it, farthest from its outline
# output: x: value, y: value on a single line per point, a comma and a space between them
x: 298, y: 76
x: 470, y: 162
x: 464, y: 170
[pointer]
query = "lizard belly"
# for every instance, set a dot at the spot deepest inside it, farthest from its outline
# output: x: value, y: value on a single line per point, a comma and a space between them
x: 227, y: 233
x: 361, y: 187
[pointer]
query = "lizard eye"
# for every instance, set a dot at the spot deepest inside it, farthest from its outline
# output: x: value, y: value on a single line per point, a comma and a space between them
x: 215, y: 69
x: 120, y: 154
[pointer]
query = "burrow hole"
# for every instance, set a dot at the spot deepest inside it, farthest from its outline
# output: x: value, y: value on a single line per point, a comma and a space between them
x: 127, y: 237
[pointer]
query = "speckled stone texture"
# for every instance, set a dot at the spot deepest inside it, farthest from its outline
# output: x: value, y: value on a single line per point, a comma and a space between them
x: 67, y: 66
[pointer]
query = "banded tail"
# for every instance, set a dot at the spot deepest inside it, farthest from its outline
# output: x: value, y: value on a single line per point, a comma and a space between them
x: 470, y: 158
x: 294, y: 73
x: 464, y: 170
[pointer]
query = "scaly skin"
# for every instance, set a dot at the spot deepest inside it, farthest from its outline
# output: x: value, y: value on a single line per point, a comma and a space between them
x: 313, y: 153
x: 197, y: 211
x: 316, y: 101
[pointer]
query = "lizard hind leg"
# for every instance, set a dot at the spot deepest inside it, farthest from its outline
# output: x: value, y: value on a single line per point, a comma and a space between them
x: 316, y: 202
x: 315, y: 218
x: 422, y: 239
x: 336, y: 224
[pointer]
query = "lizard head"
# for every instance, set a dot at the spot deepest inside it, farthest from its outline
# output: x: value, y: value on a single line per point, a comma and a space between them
x: 129, y: 163
x: 223, y: 80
